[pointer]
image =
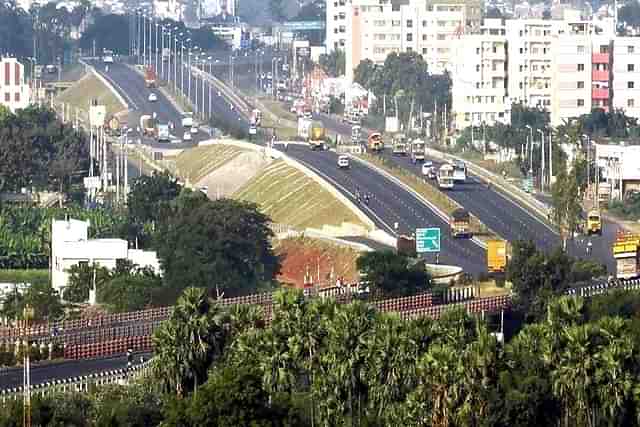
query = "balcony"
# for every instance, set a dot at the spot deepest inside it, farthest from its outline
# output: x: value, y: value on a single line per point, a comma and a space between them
x: 600, y: 58
x: 599, y: 93
x: 600, y: 75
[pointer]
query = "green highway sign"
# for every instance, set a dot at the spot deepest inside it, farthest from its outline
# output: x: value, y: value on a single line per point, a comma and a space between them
x: 427, y: 240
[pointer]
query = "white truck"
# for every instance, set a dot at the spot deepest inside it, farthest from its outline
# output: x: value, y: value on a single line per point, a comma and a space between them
x: 163, y: 133
x: 187, y: 120
x: 304, y: 128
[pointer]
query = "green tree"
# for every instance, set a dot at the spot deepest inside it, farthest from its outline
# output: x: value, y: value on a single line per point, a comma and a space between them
x: 566, y: 202
x: 333, y: 63
x: 149, y: 196
x: 189, y: 342
x: 82, y: 278
x: 221, y: 244
x: 277, y: 9
x: 130, y: 291
x: 107, y: 32
x: 390, y: 274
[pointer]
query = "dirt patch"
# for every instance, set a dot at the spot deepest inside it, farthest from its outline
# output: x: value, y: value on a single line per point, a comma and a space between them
x: 87, y: 88
x: 303, y: 256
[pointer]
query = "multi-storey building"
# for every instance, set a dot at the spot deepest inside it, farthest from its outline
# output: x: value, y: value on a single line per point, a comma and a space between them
x: 626, y: 75
x: 479, y: 77
x: 336, y: 30
x: 375, y: 28
x: 14, y: 92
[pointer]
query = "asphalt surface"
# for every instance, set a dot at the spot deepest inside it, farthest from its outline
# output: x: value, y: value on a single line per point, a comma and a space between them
x: 389, y: 204
x: 502, y: 214
x: 12, y: 377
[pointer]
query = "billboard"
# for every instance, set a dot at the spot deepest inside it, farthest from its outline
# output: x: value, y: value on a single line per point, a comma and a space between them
x: 304, y: 25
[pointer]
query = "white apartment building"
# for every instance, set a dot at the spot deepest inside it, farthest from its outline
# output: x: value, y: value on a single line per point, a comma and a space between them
x: 168, y: 9
x: 626, y: 75
x: 375, y: 28
x: 71, y: 246
x: 336, y: 19
x: 479, y: 77
x: 14, y: 92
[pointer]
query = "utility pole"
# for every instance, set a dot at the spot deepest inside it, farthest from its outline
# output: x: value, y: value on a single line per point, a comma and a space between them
x: 28, y: 315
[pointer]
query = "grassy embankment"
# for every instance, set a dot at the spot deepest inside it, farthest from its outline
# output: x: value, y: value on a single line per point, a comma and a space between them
x: 87, y: 88
x: 290, y: 197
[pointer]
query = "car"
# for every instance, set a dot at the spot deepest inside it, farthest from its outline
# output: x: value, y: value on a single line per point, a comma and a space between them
x: 343, y: 161
x: 426, y: 167
x: 186, y: 136
x: 194, y: 130
x: 153, y: 97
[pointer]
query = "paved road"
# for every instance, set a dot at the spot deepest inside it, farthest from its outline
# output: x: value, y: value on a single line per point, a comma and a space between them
x: 502, y: 214
x: 390, y: 204
x: 12, y: 377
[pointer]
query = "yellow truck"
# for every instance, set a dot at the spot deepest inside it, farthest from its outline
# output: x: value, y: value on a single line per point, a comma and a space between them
x: 594, y: 223
x: 316, y: 136
x: 497, y: 256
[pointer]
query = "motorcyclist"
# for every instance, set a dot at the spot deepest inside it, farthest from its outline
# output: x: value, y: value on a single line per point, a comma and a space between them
x: 589, y: 247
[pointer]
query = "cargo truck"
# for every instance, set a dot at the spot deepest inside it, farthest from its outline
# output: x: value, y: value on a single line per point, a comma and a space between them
x: 187, y: 120
x: 150, y: 77
x: 375, y: 144
x: 417, y: 151
x: 316, y: 136
x: 445, y: 177
x: 594, y: 223
x: 256, y: 118
x: 399, y: 145
x: 625, y: 252
x: 497, y: 256
x: 147, y: 126
x: 162, y: 133
x: 460, y: 223
x: 406, y: 245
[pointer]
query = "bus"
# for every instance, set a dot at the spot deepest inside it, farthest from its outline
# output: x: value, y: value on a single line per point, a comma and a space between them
x: 445, y: 177
x: 417, y: 151
x: 459, y: 171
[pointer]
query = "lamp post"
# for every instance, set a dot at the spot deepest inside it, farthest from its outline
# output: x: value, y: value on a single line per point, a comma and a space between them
x: 175, y: 61
x: 202, y: 76
x: 156, y: 46
x: 189, y: 75
x: 588, y: 160
x: 530, y: 149
x: 210, y: 73
x: 144, y: 39
x: 542, y: 177
x: 28, y: 314
x: 162, y: 51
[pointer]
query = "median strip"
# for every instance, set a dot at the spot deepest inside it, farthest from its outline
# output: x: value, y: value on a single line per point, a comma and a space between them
x: 440, y: 200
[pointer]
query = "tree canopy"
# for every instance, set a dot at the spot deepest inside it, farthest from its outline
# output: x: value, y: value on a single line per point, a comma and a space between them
x: 390, y: 274
x: 333, y: 63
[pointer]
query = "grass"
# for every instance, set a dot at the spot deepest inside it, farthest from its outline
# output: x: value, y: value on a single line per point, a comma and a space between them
x: 432, y: 194
x: 290, y: 197
x: 276, y: 108
x: 198, y: 162
x: 24, y: 276
x: 87, y: 88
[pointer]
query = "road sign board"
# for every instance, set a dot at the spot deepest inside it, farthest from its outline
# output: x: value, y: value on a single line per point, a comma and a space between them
x: 427, y: 240
x: 304, y: 25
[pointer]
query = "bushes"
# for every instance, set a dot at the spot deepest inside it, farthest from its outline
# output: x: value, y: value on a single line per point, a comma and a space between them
x: 37, y: 353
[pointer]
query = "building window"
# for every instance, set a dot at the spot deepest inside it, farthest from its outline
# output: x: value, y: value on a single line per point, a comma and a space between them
x: 580, y: 85
x: 580, y: 67
x: 409, y: 37
x: 409, y: 23
x: 521, y: 50
x: 16, y: 97
x: 580, y: 102
x: 395, y: 23
x: 630, y: 49
x: 424, y: 37
x: 630, y: 67
x: 478, y: 51
x: 581, y: 49
x: 424, y: 50
x: 477, y: 67
x: 7, y: 97
x: 424, y: 23
x: 409, y: 49
x: 630, y: 103
x: 395, y: 7
x: 630, y: 85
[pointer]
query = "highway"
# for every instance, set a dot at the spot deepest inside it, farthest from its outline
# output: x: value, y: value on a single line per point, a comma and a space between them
x: 47, y: 372
x: 390, y: 204
x: 502, y: 214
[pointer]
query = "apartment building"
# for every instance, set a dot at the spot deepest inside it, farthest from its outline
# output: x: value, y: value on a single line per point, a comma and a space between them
x: 336, y: 19
x: 479, y: 77
x: 14, y: 92
x: 375, y: 28
x: 625, y: 87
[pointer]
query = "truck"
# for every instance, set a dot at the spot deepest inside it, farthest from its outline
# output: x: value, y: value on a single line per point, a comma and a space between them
x: 399, y: 147
x: 460, y: 223
x: 187, y: 120
x: 417, y: 150
x: 166, y: 54
x: 355, y: 133
x: 147, y: 125
x: 594, y: 222
x: 625, y: 252
x: 150, y: 78
x: 375, y: 144
x: 316, y: 136
x: 445, y: 177
x: 162, y: 133
x: 406, y: 245
x: 459, y: 171
x: 304, y: 128
x: 497, y: 256
x: 256, y: 117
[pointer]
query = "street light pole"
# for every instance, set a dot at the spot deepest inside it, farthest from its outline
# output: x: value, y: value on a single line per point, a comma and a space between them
x: 202, y: 76
x: 189, y: 76
x: 156, y: 46
x: 210, y: 73
x: 542, y: 177
x: 162, y: 53
x: 144, y: 39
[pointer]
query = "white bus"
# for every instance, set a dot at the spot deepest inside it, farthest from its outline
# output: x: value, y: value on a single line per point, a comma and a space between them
x: 445, y: 177
x: 459, y: 171
x: 417, y: 151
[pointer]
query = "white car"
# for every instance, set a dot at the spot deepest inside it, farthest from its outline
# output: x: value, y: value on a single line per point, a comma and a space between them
x: 153, y: 97
x: 194, y: 130
x: 343, y: 162
x: 426, y: 167
x: 186, y: 136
